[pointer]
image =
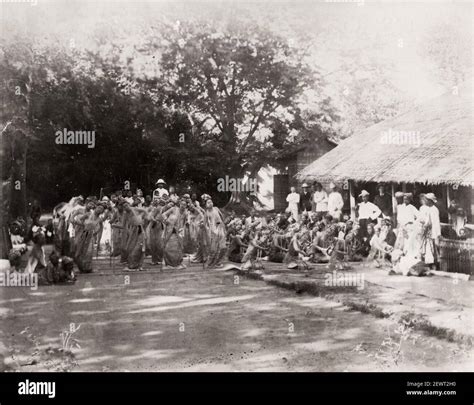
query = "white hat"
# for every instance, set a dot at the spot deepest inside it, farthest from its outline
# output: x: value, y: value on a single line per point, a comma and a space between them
x: 364, y: 192
x: 304, y: 185
x: 431, y: 196
x: 332, y: 185
x: 160, y: 181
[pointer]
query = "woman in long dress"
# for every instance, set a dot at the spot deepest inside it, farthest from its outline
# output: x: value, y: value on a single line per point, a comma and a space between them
x: 104, y: 240
x: 429, y: 217
x: 172, y: 240
x: 202, y: 237
x: 215, y: 227
x: 155, y: 232
x: 125, y: 232
x: 85, y: 242
x: 116, y: 224
x: 61, y: 235
x: 136, y: 236
x: 75, y: 207
x: 191, y: 227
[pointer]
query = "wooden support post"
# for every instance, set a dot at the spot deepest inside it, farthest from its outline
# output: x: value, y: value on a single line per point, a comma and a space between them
x: 448, y: 200
x: 394, y: 205
x: 352, y: 200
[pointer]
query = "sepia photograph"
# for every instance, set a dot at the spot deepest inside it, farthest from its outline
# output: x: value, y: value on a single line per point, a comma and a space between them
x: 220, y: 186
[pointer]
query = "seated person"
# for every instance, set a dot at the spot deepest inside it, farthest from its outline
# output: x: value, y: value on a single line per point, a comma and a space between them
x: 253, y: 252
x: 366, y: 247
x: 236, y: 247
x: 278, y: 248
x: 59, y: 270
x: 379, y: 247
x: 36, y: 260
x: 17, y: 236
x: 295, y: 249
x: 354, y: 246
x: 283, y: 220
x: 390, y: 236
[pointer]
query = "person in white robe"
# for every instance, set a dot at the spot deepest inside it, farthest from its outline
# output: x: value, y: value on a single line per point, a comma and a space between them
x: 407, y: 214
x: 293, y: 200
x: 335, y: 202
x: 429, y: 217
x: 320, y: 199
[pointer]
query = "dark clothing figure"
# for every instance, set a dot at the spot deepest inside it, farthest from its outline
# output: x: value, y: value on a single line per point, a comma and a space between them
x: 384, y: 202
x: 283, y: 223
x: 235, y: 253
x: 390, y: 238
x: 365, y: 247
x: 35, y: 212
x: 305, y: 201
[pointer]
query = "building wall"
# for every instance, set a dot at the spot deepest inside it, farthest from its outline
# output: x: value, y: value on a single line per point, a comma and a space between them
x: 265, y: 187
x: 306, y: 156
x: 274, y: 185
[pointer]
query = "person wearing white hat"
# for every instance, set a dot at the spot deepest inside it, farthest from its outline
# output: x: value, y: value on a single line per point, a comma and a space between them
x: 160, y: 191
x: 431, y: 228
x: 368, y: 212
x: 406, y: 212
x: 305, y: 198
x: 335, y: 202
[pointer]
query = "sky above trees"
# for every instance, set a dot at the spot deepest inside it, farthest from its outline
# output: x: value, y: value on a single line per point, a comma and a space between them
x: 376, y: 59
x: 246, y: 84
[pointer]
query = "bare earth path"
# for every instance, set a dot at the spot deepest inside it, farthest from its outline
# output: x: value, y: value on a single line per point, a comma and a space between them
x: 197, y: 320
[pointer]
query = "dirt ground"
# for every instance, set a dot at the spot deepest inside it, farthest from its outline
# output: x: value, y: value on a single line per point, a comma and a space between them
x: 202, y: 320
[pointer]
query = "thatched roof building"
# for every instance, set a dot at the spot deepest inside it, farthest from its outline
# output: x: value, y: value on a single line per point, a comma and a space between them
x: 433, y: 144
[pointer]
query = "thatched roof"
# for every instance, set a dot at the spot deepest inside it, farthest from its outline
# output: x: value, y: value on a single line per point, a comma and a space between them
x: 443, y: 129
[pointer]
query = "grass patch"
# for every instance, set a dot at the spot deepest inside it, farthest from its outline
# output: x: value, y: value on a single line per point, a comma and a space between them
x: 420, y: 322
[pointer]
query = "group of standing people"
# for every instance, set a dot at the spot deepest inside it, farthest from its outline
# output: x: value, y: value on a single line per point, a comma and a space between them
x: 312, y: 229
x: 408, y: 237
x: 169, y: 228
x: 317, y: 200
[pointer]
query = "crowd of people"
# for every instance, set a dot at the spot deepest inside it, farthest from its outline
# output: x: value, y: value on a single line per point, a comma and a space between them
x: 127, y: 227
x: 168, y: 227
x: 406, y: 238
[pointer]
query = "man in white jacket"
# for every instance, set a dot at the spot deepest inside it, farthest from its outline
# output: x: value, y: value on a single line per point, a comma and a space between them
x: 293, y: 200
x: 368, y: 211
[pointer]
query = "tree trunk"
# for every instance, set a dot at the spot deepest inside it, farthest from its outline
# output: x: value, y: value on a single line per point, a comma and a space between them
x: 18, y: 176
x: 241, y: 202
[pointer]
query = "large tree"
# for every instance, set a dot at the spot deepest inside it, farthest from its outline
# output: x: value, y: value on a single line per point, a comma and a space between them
x: 238, y: 81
